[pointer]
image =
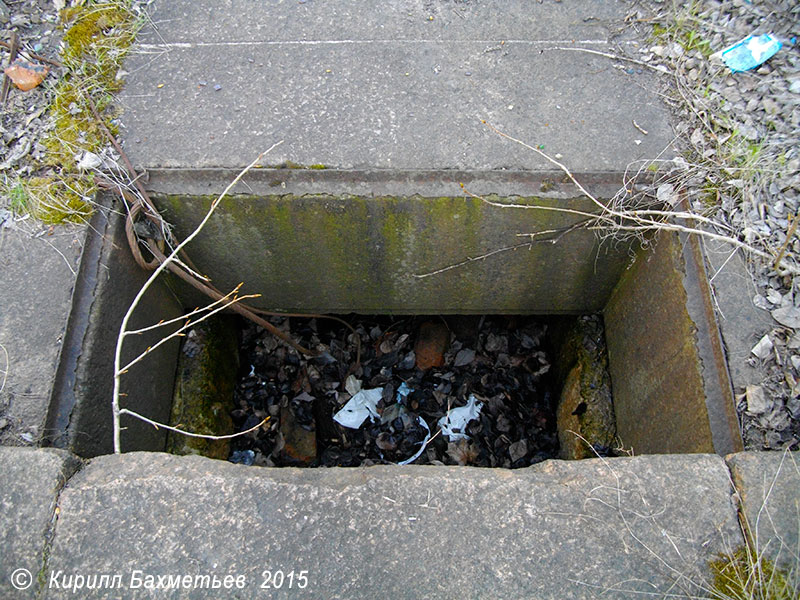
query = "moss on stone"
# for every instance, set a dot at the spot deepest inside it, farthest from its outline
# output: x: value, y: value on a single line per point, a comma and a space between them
x: 54, y: 200
x: 585, y: 406
x: 743, y: 575
x: 207, y: 368
x: 96, y: 39
x: 324, y: 252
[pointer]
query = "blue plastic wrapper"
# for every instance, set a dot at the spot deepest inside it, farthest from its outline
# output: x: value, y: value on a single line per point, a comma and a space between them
x: 243, y: 457
x: 750, y: 52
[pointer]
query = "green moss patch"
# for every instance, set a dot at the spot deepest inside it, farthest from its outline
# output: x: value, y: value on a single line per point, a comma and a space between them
x: 743, y: 575
x: 96, y: 39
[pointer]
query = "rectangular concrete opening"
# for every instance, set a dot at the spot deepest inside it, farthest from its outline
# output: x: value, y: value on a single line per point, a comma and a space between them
x: 665, y: 359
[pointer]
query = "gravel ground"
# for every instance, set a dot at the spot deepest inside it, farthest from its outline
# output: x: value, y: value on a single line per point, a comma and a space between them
x: 24, y: 119
x: 740, y: 133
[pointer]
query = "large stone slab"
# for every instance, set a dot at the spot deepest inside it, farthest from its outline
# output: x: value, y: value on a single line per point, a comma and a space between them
x: 555, y: 530
x: 319, y: 253
x: 741, y: 322
x: 672, y: 390
x: 400, y: 85
x: 380, y: 112
x: 37, y: 275
x: 768, y: 486
x: 30, y: 481
x: 80, y: 417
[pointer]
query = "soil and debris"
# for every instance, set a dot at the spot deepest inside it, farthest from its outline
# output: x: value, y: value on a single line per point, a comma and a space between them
x: 423, y: 374
x: 738, y: 156
x: 24, y: 121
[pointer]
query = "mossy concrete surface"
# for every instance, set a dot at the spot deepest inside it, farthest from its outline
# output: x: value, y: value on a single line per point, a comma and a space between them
x: 585, y: 410
x: 203, y: 400
x: 320, y: 253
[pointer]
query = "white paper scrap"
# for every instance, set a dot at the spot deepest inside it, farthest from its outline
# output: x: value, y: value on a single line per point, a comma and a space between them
x: 362, y: 405
x: 455, y: 421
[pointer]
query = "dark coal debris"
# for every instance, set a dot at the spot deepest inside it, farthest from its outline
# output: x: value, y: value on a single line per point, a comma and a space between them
x: 423, y: 367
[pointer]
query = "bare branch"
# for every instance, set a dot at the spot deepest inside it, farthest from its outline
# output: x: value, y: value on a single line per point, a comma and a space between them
x: 157, y: 425
x: 179, y: 332
x: 187, y: 316
x: 163, y: 265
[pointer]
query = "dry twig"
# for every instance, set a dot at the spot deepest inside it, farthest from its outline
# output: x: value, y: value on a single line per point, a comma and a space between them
x: 118, y: 370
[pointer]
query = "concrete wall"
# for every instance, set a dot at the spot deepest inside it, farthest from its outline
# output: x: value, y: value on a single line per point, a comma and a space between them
x: 672, y: 392
x: 318, y: 253
x: 353, y: 254
x: 80, y: 417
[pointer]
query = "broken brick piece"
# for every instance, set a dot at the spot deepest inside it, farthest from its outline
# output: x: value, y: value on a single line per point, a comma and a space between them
x: 432, y: 343
x: 26, y: 75
x: 300, y: 444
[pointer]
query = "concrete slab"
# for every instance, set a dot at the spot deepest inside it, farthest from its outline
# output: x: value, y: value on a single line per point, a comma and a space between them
x: 768, y: 486
x: 556, y: 530
x: 741, y: 323
x: 399, y: 85
x: 80, y: 418
x: 672, y: 391
x: 401, y: 255
x: 30, y: 481
x: 38, y: 274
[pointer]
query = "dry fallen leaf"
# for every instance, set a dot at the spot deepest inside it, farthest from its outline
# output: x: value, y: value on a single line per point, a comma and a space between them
x: 756, y: 399
x: 26, y: 75
x: 788, y: 316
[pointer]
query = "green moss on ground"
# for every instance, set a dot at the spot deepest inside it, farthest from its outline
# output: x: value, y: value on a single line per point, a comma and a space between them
x: 97, y: 36
x: 743, y: 575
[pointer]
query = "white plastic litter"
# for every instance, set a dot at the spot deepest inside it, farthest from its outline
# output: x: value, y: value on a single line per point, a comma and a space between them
x: 363, y: 404
x: 455, y: 421
x: 423, y: 443
x: 403, y: 391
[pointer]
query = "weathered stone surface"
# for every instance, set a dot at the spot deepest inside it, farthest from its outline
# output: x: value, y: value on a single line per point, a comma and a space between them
x: 585, y: 411
x: 555, y: 530
x: 320, y: 253
x: 670, y: 393
x: 36, y: 280
x: 768, y: 485
x: 30, y: 481
x: 402, y: 85
x: 370, y: 95
x: 207, y: 370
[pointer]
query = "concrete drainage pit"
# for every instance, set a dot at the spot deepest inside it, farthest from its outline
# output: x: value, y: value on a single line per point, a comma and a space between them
x: 519, y: 329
